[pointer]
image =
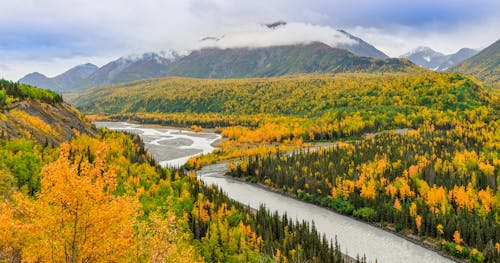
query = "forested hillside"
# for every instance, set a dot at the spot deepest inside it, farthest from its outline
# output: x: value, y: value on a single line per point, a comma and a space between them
x: 430, y: 183
x: 310, y: 107
x: 438, y: 182
x: 102, y: 198
x: 29, y: 112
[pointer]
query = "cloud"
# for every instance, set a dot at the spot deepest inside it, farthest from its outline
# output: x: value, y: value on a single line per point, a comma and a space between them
x: 292, y: 33
x: 59, y: 31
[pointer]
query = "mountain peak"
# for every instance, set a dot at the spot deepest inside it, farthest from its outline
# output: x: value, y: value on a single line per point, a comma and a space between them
x: 360, y: 47
x: 422, y: 50
x: 35, y: 75
x: 87, y: 65
x: 431, y: 59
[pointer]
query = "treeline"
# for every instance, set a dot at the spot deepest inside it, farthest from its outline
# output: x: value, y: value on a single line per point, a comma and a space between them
x: 309, y: 95
x: 310, y: 107
x: 104, y: 199
x: 432, y: 183
x: 18, y: 91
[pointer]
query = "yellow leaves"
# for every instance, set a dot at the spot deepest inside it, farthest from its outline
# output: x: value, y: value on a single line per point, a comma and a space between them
x: 34, y: 122
x: 397, y: 205
x: 457, y: 238
x: 436, y: 200
x: 347, y: 188
x: 440, y: 229
x: 75, y: 217
x: 487, y: 168
x: 413, y: 210
x: 369, y: 190
x: 413, y: 170
x: 343, y: 188
x: 464, y: 198
x: 418, y: 222
x: 423, y: 188
x: 405, y: 192
x: 487, y: 199
x: 162, y: 240
x: 267, y: 132
x: 9, y: 241
x: 391, y: 190
x: 196, y: 128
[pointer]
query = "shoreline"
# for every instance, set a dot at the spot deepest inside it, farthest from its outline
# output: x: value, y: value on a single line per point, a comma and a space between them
x: 422, y: 243
x: 419, y: 242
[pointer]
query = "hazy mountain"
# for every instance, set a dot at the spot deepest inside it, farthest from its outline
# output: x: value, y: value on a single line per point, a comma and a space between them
x: 219, y: 63
x: 428, y: 58
x: 74, y: 76
x: 39, y: 80
x: 485, y: 65
x: 277, y: 61
x: 124, y: 69
x: 361, y: 48
x: 66, y: 82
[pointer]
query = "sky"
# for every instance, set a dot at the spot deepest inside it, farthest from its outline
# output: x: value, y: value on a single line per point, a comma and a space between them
x: 51, y: 36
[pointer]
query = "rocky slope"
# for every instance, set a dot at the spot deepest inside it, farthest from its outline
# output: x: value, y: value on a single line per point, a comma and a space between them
x: 27, y: 114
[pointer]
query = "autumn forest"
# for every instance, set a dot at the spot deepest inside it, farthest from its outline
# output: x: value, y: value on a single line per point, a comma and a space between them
x: 415, y: 153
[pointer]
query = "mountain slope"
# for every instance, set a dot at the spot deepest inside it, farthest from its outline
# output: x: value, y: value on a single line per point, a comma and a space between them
x: 428, y: 58
x: 485, y: 65
x: 69, y: 80
x: 39, y: 80
x: 361, y: 48
x: 221, y: 63
x: 306, y: 95
x: 124, y: 69
x: 29, y: 112
x: 278, y: 61
x: 66, y: 82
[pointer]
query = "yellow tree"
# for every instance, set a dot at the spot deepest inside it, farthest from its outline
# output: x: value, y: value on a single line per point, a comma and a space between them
x: 77, y: 218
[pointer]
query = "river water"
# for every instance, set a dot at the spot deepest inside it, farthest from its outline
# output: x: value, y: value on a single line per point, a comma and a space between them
x: 174, y: 147
x: 170, y: 147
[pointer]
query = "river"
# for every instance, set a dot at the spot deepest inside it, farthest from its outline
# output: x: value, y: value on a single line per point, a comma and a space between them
x: 173, y: 147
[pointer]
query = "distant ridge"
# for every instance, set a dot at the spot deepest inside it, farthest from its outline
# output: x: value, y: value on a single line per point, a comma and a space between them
x: 66, y: 82
x: 428, y: 58
x: 315, y: 57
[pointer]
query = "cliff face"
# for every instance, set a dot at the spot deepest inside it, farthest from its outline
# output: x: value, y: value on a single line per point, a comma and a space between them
x: 49, y: 123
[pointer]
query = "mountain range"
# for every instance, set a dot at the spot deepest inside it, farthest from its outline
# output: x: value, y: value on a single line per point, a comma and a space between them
x: 226, y: 63
x: 278, y: 61
x: 124, y: 69
x: 215, y: 62
x: 428, y: 58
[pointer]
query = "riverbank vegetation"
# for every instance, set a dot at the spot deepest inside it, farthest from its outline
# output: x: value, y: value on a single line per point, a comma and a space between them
x: 439, y: 182
x: 431, y: 183
x: 100, y: 197
x: 104, y: 199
